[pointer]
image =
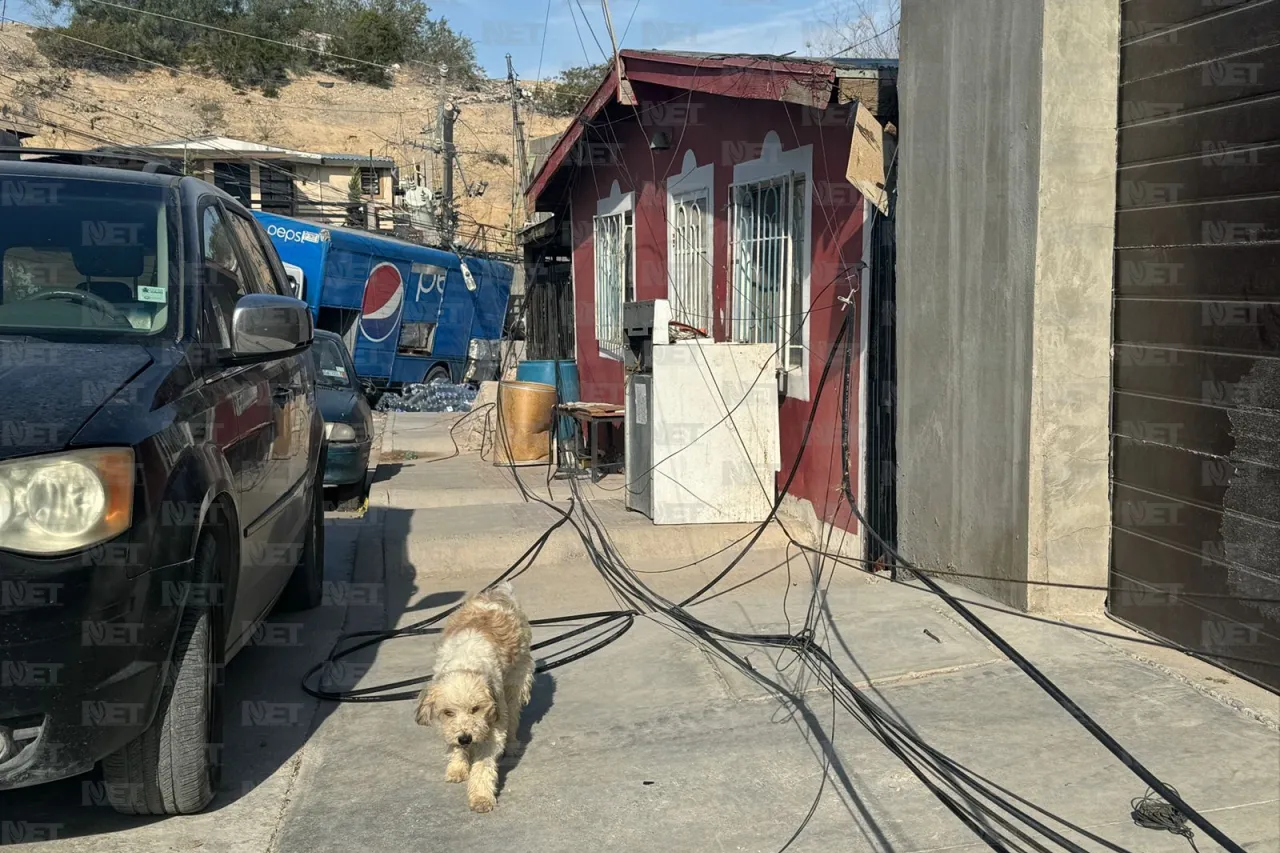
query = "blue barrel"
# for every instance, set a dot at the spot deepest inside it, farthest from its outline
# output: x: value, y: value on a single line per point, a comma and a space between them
x: 561, y: 374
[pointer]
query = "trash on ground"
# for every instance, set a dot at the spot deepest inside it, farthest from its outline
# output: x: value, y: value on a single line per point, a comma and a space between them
x: 429, y: 397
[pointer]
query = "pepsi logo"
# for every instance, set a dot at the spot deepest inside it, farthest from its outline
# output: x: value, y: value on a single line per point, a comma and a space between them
x: 383, y: 302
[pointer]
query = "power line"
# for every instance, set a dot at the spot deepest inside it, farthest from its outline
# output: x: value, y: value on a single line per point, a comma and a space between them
x: 215, y: 28
x: 631, y: 18
x: 238, y: 155
x: 867, y: 40
x: 592, y: 30
x: 275, y: 105
x: 675, y: 611
x: 182, y: 134
x: 543, y: 48
x: 586, y: 54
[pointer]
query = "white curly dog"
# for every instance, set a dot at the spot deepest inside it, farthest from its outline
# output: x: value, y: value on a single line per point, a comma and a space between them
x: 483, y: 677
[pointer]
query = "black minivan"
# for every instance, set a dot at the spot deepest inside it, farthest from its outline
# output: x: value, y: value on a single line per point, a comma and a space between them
x: 161, y: 455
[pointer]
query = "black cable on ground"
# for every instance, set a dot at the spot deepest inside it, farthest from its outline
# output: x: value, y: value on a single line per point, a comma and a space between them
x: 378, y: 693
x: 917, y: 755
x: 1149, y: 812
x: 1043, y: 682
x: 1206, y: 657
x: 795, y: 468
x: 677, y: 612
x: 608, y: 561
x: 870, y: 715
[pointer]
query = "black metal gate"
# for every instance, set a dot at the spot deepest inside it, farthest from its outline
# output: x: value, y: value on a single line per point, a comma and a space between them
x: 881, y: 479
x: 549, y: 312
x: 1196, y: 406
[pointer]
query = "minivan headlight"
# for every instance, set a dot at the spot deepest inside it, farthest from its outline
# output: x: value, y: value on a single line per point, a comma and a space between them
x: 65, y: 501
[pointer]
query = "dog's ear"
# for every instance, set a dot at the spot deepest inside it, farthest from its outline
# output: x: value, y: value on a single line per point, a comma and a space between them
x: 495, y: 700
x: 426, y: 711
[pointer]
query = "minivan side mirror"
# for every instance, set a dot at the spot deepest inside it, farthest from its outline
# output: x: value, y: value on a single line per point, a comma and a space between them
x: 266, y: 324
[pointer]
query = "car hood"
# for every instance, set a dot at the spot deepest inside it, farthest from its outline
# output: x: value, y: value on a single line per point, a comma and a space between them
x: 51, y: 390
x: 337, y: 405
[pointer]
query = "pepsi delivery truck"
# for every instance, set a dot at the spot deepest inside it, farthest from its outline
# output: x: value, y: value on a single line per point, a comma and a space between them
x: 407, y: 313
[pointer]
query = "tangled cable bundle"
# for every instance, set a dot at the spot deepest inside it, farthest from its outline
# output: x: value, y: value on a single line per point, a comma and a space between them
x: 1151, y: 812
x: 1002, y: 819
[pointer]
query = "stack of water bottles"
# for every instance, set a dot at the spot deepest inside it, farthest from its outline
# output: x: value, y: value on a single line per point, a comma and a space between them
x: 431, y: 397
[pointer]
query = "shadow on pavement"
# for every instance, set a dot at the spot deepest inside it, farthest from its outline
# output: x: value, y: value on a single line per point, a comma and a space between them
x: 268, y: 717
x: 540, y: 702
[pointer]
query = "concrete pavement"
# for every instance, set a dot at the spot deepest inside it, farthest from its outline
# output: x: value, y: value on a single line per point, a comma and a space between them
x: 654, y: 743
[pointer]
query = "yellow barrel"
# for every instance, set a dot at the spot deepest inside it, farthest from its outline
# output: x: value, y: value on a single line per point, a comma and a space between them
x: 525, y: 411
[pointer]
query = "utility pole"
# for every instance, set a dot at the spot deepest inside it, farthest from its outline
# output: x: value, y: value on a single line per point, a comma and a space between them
x: 517, y: 134
x: 435, y: 149
x: 626, y: 95
x: 448, y: 218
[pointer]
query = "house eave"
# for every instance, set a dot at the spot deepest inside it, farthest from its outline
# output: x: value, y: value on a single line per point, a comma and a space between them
x: 807, y: 82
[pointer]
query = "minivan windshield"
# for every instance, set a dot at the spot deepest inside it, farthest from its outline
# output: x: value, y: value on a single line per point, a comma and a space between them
x: 333, y: 370
x: 85, y: 259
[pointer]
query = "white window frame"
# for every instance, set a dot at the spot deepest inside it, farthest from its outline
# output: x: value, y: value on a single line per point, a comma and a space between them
x: 608, y: 320
x: 774, y: 164
x: 684, y: 285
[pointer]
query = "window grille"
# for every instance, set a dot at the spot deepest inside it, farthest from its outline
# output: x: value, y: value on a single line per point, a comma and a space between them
x: 613, y: 281
x: 768, y: 266
x: 690, y: 266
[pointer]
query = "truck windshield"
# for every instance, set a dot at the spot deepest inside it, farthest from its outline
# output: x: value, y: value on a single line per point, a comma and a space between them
x: 86, y: 259
x: 332, y: 369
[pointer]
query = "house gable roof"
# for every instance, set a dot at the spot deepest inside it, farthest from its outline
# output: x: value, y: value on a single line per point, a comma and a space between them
x: 238, y: 149
x: 799, y: 80
x: 18, y: 126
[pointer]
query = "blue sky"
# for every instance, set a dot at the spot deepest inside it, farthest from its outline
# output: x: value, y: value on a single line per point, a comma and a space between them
x: 499, y: 27
x: 516, y: 27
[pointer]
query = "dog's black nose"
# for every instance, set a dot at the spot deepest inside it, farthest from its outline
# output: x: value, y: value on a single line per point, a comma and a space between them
x: 463, y: 740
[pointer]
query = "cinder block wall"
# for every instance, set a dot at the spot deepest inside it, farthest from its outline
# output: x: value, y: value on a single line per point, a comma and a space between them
x: 1005, y: 239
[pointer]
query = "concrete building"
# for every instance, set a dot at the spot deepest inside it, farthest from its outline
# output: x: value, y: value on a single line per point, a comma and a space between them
x: 290, y: 182
x: 1088, y: 312
x: 722, y: 188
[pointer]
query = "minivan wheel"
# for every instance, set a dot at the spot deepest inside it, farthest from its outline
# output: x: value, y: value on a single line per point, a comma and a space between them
x: 174, y: 766
x: 306, y: 585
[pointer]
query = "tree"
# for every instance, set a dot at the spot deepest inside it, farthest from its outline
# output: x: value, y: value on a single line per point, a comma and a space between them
x: 254, y: 43
x: 564, y: 94
x: 373, y: 37
x: 858, y: 29
x: 389, y: 32
x: 438, y: 44
x: 355, y: 200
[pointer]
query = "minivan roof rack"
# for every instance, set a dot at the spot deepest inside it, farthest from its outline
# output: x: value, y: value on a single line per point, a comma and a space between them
x: 104, y: 159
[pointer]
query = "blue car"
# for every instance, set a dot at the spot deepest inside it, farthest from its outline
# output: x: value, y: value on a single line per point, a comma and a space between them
x: 348, y: 420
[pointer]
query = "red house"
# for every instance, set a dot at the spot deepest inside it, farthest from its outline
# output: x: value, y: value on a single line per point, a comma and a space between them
x: 718, y: 183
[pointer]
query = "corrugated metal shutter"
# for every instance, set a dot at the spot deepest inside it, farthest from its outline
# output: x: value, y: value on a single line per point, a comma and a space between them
x: 1196, y: 410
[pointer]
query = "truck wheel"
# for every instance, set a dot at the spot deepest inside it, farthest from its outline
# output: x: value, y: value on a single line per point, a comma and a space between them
x: 439, y: 373
x: 348, y: 491
x: 174, y: 766
x: 306, y: 585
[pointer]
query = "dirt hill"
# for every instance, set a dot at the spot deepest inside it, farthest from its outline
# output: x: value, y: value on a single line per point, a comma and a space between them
x: 76, y: 109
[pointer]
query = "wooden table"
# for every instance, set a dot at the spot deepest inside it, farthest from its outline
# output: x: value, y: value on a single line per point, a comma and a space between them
x: 589, y: 417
